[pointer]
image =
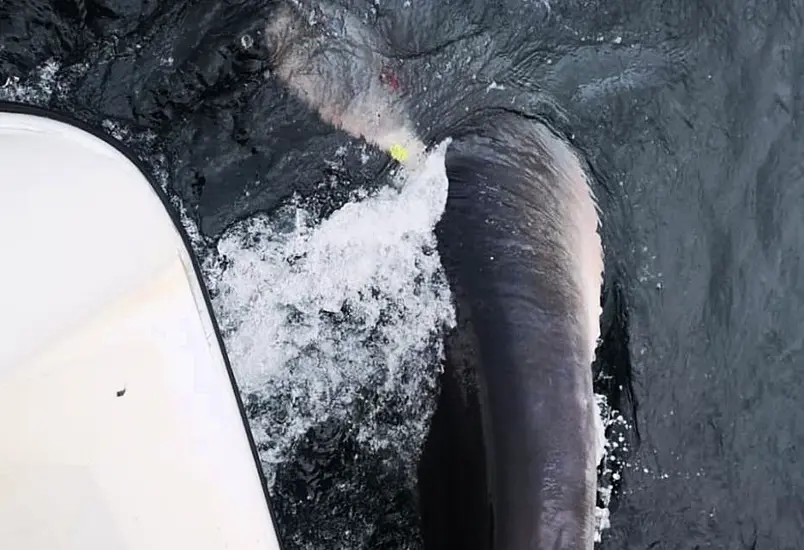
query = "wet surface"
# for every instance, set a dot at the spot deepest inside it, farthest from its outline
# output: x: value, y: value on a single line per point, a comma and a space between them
x: 690, y: 115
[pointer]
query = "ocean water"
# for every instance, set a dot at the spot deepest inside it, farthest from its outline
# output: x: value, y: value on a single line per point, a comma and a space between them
x: 322, y: 263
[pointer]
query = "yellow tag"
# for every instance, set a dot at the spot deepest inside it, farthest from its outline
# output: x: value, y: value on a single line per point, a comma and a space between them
x: 398, y: 152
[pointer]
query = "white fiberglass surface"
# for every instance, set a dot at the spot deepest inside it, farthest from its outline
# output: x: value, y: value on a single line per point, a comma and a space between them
x: 119, y: 427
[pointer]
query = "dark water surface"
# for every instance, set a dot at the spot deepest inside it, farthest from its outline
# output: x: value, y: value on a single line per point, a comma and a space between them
x: 690, y: 114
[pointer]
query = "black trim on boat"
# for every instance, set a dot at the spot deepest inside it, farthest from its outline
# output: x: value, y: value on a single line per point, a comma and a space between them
x: 19, y: 108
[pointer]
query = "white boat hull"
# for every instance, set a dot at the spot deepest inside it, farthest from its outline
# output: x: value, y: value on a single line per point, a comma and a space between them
x: 120, y: 427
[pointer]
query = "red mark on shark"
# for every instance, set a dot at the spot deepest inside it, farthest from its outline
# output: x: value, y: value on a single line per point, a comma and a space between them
x: 389, y: 78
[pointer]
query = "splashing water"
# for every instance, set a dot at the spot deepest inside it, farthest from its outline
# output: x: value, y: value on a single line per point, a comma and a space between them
x: 317, y: 316
x: 47, y: 82
x: 612, y: 452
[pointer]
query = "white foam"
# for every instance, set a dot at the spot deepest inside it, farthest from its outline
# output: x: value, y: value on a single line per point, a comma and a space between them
x: 314, y: 312
x: 610, y: 461
x: 47, y: 82
x: 35, y: 90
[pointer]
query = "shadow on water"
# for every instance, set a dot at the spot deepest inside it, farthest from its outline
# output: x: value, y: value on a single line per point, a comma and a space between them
x: 690, y: 115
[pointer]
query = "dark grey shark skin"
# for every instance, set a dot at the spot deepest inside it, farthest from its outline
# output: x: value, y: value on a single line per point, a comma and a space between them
x: 513, y: 466
x: 510, y: 462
